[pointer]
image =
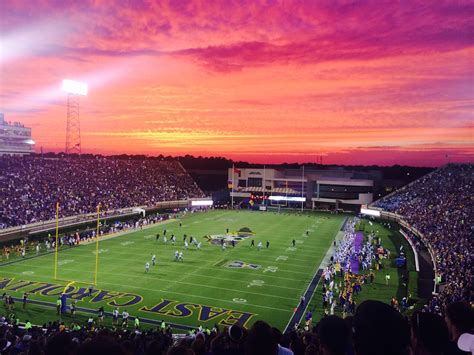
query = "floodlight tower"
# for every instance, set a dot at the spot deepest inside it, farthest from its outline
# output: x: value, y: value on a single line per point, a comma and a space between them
x: 74, y: 90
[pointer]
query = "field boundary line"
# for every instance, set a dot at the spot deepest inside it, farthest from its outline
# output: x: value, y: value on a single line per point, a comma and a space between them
x: 300, y: 311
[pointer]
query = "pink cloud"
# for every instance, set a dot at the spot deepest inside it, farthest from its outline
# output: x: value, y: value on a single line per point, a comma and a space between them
x: 246, y: 78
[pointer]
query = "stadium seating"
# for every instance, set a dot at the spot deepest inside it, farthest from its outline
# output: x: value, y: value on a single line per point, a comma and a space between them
x: 375, y: 329
x: 31, y: 186
x: 440, y: 206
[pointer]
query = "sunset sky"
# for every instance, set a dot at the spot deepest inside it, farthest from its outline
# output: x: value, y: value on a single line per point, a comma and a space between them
x: 380, y: 82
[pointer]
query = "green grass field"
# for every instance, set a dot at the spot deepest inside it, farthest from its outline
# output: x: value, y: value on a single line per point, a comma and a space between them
x: 200, y: 290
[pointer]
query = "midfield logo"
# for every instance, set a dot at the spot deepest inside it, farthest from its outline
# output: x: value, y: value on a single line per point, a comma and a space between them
x: 241, y: 234
x: 237, y: 264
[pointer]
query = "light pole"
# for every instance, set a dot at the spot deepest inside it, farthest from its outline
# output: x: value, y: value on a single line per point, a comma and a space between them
x: 74, y: 90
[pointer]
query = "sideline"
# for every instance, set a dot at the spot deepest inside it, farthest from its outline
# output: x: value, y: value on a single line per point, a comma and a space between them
x: 312, y: 286
x: 92, y: 311
x: 103, y: 238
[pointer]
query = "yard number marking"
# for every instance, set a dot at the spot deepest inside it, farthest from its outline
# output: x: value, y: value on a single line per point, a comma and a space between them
x: 271, y: 269
x: 64, y: 262
x: 101, y: 251
x: 256, y: 283
x: 239, y: 300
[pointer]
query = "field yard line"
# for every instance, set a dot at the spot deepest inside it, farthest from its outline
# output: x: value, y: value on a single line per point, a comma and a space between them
x: 304, y: 249
x: 211, y: 268
x: 105, y: 237
x: 255, y: 275
x: 286, y: 263
x: 263, y: 274
x: 201, y: 267
x: 171, y: 282
x: 195, y: 271
x: 273, y: 243
x: 320, y: 267
x: 195, y: 296
x: 116, y: 250
x: 128, y: 231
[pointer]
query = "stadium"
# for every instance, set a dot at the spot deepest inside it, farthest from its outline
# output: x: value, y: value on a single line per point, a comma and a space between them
x: 110, y: 248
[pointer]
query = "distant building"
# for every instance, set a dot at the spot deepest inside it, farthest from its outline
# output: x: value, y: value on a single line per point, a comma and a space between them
x: 15, y: 138
x: 315, y: 188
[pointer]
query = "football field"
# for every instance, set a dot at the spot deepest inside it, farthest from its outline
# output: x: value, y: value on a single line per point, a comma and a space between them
x: 210, y: 286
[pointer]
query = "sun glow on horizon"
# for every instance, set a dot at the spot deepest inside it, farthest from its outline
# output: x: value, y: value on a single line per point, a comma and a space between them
x: 264, y: 83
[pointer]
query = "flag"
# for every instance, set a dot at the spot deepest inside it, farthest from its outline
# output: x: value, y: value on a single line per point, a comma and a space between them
x: 251, y: 202
x: 230, y: 184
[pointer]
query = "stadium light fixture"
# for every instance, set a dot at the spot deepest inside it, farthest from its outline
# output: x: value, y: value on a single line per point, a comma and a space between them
x: 202, y: 203
x: 285, y: 198
x: 75, y: 87
x: 369, y: 212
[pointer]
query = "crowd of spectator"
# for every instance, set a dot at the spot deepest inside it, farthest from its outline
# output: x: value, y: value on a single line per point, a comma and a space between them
x: 31, y: 186
x: 27, y: 247
x: 440, y: 206
x: 376, y: 328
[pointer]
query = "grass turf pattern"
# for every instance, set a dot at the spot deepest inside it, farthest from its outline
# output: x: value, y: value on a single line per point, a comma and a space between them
x: 199, y: 290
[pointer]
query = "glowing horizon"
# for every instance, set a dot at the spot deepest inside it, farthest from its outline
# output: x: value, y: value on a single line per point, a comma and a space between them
x: 263, y: 82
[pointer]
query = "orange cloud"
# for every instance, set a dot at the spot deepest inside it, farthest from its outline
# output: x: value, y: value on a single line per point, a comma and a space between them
x: 249, y: 81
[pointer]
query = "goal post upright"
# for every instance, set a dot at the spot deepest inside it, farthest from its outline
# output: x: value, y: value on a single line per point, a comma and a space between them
x: 56, y: 244
x: 97, y: 245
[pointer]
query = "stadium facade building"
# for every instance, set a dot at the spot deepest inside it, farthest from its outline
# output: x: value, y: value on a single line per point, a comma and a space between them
x: 15, y: 138
x: 312, y: 188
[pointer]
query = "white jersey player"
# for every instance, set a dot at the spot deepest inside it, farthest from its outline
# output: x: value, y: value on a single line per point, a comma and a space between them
x: 176, y: 256
x: 147, y: 266
x: 180, y: 258
x: 259, y: 245
x: 125, y: 316
x: 153, y: 259
x: 186, y: 244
